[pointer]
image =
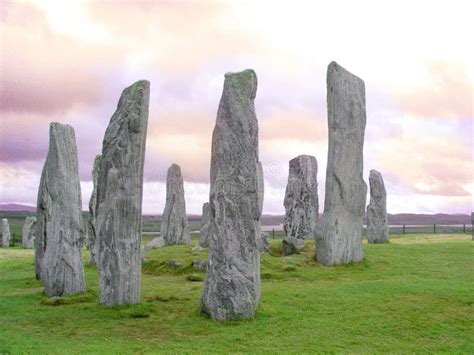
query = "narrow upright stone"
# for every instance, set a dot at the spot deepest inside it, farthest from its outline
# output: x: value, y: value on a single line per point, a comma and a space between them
x: 119, y: 198
x: 301, y: 198
x: 232, y: 284
x: 205, y: 224
x: 58, y: 257
x: 92, y: 232
x: 5, y: 233
x: 174, y: 224
x: 339, y: 230
x: 472, y: 224
x: 28, y: 231
x: 377, y: 224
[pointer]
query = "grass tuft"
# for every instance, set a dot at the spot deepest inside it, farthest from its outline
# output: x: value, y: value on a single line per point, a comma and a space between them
x: 195, y: 278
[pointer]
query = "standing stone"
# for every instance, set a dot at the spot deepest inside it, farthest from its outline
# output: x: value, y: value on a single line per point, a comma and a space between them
x: 27, y: 235
x: 58, y: 257
x: 472, y: 224
x: 292, y: 245
x: 301, y: 198
x: 377, y: 224
x: 119, y: 198
x: 339, y: 230
x: 205, y: 225
x: 232, y: 284
x: 5, y: 233
x: 174, y: 224
x: 92, y: 232
x: 264, y: 246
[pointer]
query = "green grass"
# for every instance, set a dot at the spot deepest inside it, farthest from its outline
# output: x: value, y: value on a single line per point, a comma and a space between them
x: 414, y: 294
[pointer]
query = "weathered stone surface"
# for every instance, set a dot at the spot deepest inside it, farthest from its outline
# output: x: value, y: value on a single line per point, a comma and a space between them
x: 174, y: 225
x: 263, y: 247
x: 5, y: 233
x: 197, y: 249
x: 200, y: 264
x: 292, y: 245
x: 301, y: 198
x: 205, y: 225
x: 28, y: 231
x: 472, y: 224
x: 155, y: 243
x: 232, y: 284
x: 377, y: 223
x: 58, y: 257
x: 339, y: 230
x: 173, y: 264
x: 119, y: 198
x: 92, y: 231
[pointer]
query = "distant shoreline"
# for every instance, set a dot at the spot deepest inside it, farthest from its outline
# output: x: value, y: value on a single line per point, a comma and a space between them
x: 398, y: 219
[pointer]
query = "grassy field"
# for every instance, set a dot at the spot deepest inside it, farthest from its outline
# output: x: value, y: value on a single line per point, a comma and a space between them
x: 414, y: 294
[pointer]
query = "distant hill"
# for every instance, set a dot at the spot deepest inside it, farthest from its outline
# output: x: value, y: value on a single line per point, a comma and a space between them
x: 396, y: 219
x: 271, y: 220
x: 439, y: 218
x: 7, y: 207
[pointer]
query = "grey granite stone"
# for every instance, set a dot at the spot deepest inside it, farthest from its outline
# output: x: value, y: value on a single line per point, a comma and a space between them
x: 58, y: 257
x: 377, y: 223
x: 174, y: 225
x: 292, y: 245
x: 5, y: 233
x: 157, y: 242
x: 339, y: 230
x: 28, y: 231
x: 205, y: 224
x: 263, y: 247
x: 119, y: 198
x: 173, y: 264
x: 232, y: 283
x: 92, y: 232
x: 200, y: 264
x: 301, y: 198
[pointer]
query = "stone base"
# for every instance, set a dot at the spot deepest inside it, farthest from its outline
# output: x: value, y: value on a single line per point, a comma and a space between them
x: 339, y: 238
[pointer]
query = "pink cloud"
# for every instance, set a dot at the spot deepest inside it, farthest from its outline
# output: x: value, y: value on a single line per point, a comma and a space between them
x: 449, y: 94
x: 42, y: 71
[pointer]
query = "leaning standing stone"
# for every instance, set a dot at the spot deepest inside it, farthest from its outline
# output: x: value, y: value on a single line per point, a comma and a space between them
x: 27, y: 237
x: 232, y: 284
x: 339, y: 230
x: 92, y: 232
x: 5, y: 233
x: 205, y: 224
x: 377, y: 224
x: 119, y: 198
x: 301, y: 198
x: 174, y: 224
x: 58, y: 257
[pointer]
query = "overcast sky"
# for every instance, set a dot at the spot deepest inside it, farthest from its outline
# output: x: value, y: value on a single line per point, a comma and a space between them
x: 69, y: 61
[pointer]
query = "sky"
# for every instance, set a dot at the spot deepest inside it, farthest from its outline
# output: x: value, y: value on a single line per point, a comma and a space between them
x: 69, y: 61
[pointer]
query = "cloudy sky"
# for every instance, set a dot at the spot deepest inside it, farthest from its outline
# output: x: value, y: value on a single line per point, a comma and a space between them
x: 68, y: 61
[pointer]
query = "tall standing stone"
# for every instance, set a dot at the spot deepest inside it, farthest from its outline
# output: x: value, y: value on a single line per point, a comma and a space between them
x: 205, y: 225
x: 27, y: 235
x: 339, y: 230
x: 174, y: 224
x: 5, y: 233
x: 301, y: 198
x: 472, y: 224
x: 377, y: 224
x: 92, y: 232
x: 119, y: 198
x: 58, y: 257
x: 232, y: 284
